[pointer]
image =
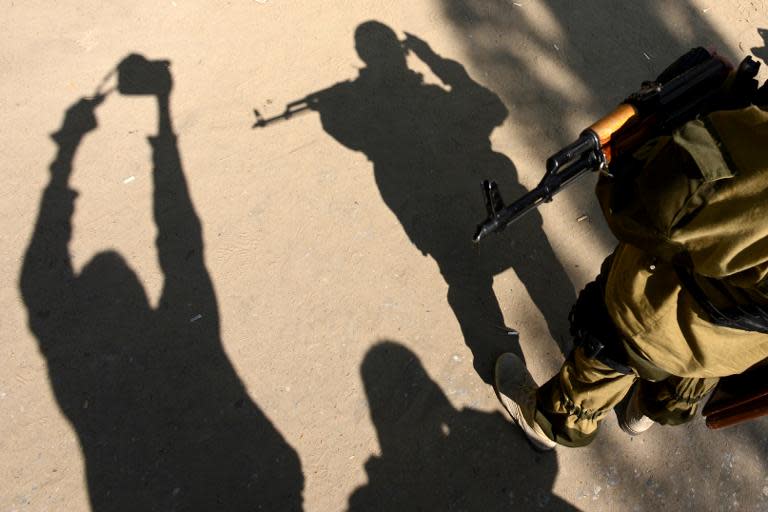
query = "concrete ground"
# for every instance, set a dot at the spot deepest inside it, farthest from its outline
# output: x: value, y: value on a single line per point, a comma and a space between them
x: 306, y: 352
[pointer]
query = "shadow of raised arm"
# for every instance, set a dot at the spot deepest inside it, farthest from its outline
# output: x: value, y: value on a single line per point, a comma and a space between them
x: 47, y: 273
x: 179, y: 239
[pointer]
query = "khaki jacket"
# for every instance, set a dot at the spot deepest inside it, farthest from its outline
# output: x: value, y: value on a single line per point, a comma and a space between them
x: 698, y: 199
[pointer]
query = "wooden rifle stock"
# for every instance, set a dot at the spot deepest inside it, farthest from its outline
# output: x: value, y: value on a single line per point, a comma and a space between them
x: 738, y: 398
x: 691, y: 86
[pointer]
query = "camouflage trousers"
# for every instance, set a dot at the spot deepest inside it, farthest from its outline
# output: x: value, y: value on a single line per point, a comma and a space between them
x: 571, y: 405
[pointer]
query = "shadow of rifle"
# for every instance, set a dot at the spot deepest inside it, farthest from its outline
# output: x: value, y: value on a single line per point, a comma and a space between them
x: 309, y: 102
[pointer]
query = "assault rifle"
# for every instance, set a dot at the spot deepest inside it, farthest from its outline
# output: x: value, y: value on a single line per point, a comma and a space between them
x: 309, y: 102
x: 691, y: 86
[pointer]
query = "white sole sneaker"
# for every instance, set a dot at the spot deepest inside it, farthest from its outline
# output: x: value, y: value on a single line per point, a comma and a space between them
x: 516, y: 390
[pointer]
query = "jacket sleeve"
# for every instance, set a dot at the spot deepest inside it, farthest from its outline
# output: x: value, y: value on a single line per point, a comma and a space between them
x: 698, y: 197
x: 641, y: 197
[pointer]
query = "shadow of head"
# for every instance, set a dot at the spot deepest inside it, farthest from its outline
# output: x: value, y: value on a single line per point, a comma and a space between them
x: 378, y: 46
x: 395, y: 381
x: 111, y: 289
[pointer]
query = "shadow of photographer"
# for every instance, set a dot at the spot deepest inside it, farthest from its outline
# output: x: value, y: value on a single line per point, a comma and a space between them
x: 162, y: 418
x: 761, y: 52
x: 437, y: 457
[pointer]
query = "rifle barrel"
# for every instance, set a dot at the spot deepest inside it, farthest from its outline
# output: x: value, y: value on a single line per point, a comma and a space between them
x: 291, y: 110
x: 550, y: 186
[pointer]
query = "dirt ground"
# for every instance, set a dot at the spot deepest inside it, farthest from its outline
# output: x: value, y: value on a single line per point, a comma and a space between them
x: 309, y: 327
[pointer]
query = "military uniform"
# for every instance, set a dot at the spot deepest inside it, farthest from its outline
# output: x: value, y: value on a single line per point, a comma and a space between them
x: 691, y: 213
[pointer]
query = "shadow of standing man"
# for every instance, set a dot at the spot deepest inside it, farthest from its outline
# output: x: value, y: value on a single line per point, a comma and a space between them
x: 435, y: 457
x: 430, y: 148
x: 761, y: 52
x: 163, y: 420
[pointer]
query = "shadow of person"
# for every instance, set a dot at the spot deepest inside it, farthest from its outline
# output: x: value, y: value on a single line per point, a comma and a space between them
x: 761, y: 52
x: 430, y: 150
x: 434, y: 457
x: 163, y: 420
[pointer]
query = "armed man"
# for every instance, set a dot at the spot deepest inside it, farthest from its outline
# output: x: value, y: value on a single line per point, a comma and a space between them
x: 683, y: 299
